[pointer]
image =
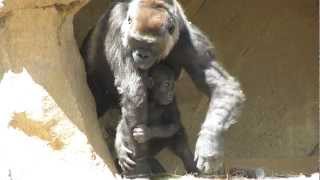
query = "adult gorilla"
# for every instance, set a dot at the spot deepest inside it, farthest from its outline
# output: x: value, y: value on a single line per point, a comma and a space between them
x: 132, y: 36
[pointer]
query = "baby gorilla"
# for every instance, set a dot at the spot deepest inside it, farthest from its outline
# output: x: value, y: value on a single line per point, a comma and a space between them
x: 163, y: 128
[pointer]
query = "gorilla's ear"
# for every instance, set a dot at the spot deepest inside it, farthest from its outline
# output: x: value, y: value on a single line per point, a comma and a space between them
x: 150, y: 82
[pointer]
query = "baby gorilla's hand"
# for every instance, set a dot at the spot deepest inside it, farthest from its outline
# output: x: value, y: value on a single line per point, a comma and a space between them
x: 142, y: 133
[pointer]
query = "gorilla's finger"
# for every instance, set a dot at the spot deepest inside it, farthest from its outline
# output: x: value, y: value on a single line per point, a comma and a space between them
x: 122, y: 166
x: 127, y: 166
x: 137, y: 134
x: 137, y: 130
x: 200, y: 163
x: 195, y: 157
x: 129, y: 161
x: 206, y: 166
x: 127, y: 150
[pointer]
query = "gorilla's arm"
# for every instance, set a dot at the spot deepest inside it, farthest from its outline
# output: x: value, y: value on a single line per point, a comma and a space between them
x: 195, y: 54
x: 130, y: 85
x: 134, y: 104
x: 143, y: 133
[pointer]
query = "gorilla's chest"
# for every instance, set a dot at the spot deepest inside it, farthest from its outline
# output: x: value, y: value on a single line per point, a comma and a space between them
x: 158, y: 115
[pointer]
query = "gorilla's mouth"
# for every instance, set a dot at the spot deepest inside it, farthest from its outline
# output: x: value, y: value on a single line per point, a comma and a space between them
x: 170, y: 97
x: 167, y: 100
x: 143, y: 59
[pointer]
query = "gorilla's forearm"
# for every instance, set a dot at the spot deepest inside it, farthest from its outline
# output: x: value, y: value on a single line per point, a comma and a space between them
x: 132, y: 90
x: 226, y: 99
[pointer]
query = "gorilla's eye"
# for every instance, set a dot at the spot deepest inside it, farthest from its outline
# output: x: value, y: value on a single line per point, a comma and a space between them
x: 171, y: 28
x: 129, y: 20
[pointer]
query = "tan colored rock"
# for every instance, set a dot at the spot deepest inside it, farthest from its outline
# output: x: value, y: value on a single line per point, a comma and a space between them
x: 48, y: 124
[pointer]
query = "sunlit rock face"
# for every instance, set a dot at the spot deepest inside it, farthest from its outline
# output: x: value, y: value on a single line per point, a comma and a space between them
x: 48, y: 125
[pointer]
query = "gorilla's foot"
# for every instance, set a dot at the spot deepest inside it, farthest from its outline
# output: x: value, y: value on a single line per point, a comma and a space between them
x: 219, y: 173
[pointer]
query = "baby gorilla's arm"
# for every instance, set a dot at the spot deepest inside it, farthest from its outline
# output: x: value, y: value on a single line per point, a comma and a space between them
x: 143, y: 133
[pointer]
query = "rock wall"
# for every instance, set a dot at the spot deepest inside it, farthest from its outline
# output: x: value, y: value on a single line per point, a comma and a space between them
x: 48, y: 125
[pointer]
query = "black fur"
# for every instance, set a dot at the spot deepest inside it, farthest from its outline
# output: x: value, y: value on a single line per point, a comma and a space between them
x: 116, y: 82
x: 163, y: 128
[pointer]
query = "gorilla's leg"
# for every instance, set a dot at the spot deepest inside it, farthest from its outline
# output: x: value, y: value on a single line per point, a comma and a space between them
x: 181, y: 148
x: 156, y: 166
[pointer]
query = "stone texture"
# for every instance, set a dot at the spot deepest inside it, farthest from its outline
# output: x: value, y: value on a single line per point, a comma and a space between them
x: 270, y: 46
x: 48, y: 125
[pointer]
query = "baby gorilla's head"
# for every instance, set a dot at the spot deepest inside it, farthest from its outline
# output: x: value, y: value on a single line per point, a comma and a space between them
x: 163, y: 84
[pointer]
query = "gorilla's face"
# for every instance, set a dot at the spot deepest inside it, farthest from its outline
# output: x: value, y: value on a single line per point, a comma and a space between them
x: 163, y: 91
x: 150, y: 30
x: 163, y: 84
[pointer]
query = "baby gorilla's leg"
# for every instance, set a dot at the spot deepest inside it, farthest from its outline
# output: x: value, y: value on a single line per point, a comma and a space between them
x: 156, y: 166
x: 181, y: 148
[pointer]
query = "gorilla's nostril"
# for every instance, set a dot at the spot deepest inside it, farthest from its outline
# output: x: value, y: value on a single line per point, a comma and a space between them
x: 143, y: 56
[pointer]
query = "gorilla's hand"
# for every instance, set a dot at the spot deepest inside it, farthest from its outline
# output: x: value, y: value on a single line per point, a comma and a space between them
x: 209, y: 153
x: 124, y: 155
x: 142, y: 133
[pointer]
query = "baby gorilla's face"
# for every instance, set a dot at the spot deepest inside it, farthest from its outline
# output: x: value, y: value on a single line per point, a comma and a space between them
x: 163, y: 92
x: 163, y: 88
